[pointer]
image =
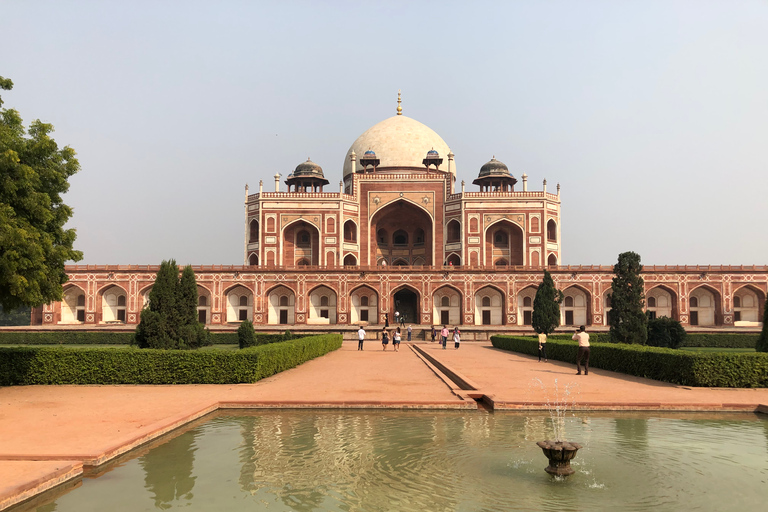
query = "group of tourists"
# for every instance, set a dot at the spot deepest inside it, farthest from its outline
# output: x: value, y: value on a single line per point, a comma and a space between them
x: 582, y: 354
x: 445, y: 333
x: 396, y: 334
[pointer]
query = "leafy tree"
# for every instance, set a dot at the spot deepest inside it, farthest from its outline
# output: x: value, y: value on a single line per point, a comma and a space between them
x: 665, y: 332
x: 546, y: 306
x: 169, y: 321
x: 33, y: 242
x: 19, y: 316
x: 762, y: 341
x: 628, y: 321
x: 246, y: 336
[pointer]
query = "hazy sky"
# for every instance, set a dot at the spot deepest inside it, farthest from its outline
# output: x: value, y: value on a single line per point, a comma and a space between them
x: 652, y: 115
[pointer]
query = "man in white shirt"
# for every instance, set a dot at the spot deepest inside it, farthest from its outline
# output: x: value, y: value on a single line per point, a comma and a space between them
x: 360, y: 338
x: 543, y: 346
x: 583, y: 338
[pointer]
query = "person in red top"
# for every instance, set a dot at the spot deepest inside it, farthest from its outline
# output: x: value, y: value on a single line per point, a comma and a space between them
x: 583, y: 338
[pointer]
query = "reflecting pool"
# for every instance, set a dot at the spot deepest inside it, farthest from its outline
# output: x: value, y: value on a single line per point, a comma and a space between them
x: 305, y: 460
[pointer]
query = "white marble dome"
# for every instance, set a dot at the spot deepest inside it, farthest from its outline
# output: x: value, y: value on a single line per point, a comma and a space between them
x: 399, y: 142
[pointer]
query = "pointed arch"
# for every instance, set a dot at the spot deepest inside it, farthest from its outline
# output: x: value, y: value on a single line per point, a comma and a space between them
x: 350, y: 231
x: 322, y: 305
x: 666, y: 302
x: 551, y: 230
x: 708, y: 308
x: 364, y: 305
x: 113, y: 299
x: 748, y: 311
x: 239, y: 301
x: 281, y: 305
x: 253, y: 231
x: 72, y: 304
x: 447, y: 303
x: 504, y: 243
x: 406, y: 299
x: 493, y: 312
x: 525, y: 298
x: 203, y: 304
x: 580, y: 310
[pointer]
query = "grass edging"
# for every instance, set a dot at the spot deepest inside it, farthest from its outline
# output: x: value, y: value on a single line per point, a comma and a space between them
x: 63, y: 365
x: 678, y: 367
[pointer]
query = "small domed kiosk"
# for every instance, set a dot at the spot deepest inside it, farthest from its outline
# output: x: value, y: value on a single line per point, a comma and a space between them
x: 307, y: 177
x: 495, y: 177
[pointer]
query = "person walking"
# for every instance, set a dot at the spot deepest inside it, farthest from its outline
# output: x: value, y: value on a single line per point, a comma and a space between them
x: 396, y: 340
x: 410, y: 331
x: 360, y: 338
x: 397, y: 317
x: 456, y: 337
x: 402, y: 321
x: 444, y: 335
x: 384, y: 338
x: 543, y: 346
x: 583, y: 338
x: 386, y: 320
x: 434, y: 333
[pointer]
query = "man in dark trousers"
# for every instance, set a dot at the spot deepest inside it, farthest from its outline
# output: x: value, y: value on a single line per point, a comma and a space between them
x: 583, y: 338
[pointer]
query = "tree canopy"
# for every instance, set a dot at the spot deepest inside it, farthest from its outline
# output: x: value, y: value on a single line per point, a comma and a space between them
x: 546, y: 306
x: 628, y: 321
x: 33, y: 242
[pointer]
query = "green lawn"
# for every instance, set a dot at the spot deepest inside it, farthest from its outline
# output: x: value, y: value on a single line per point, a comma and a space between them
x: 717, y: 349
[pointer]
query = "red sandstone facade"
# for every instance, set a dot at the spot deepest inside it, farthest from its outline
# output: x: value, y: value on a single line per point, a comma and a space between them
x: 399, y: 237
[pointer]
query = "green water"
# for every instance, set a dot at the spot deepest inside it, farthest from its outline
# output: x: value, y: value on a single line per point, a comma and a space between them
x: 293, y: 460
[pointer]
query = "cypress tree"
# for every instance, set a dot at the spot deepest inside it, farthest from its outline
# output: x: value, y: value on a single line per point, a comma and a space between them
x: 762, y: 341
x: 546, y: 306
x: 628, y: 321
x: 169, y: 321
x: 187, y: 299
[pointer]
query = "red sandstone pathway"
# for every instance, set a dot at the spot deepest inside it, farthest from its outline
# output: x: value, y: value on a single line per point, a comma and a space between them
x: 48, y: 432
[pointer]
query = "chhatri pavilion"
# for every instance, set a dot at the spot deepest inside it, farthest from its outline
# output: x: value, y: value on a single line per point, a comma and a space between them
x: 400, y: 233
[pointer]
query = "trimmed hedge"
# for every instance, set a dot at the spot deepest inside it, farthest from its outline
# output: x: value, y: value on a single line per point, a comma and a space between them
x: 692, y: 339
x: 111, y: 338
x: 679, y: 367
x: 65, y: 338
x: 64, y: 365
x: 720, y: 340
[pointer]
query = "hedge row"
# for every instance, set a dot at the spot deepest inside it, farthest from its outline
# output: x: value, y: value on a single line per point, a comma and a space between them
x: 110, y: 338
x: 65, y: 365
x: 710, y: 369
x: 692, y: 339
x: 720, y: 340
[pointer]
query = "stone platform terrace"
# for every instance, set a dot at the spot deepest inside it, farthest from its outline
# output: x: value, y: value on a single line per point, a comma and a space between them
x: 49, y: 433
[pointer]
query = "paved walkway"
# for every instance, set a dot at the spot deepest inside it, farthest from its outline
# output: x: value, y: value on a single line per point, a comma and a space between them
x: 47, y: 433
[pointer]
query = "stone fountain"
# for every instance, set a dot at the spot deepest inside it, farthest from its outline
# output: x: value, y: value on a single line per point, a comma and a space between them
x: 559, y: 451
x: 559, y: 454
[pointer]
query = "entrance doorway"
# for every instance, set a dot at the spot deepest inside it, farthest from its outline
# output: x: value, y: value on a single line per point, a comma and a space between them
x: 407, y: 303
x: 445, y: 317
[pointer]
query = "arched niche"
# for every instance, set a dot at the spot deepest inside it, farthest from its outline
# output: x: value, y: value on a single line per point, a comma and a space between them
x: 322, y: 306
x: 401, y: 230
x: 364, y: 306
x: 281, y: 304
x: 489, y: 306
x: 525, y: 305
x: 114, y: 301
x: 446, y: 306
x: 239, y: 301
x: 504, y: 244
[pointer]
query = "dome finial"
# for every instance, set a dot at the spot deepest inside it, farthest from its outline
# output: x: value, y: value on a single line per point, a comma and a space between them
x: 399, y: 101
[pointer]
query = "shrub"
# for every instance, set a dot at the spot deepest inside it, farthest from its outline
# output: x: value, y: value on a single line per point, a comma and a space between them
x: 246, y: 336
x: 627, y: 317
x: 64, y: 338
x: 64, y: 365
x: 720, y: 340
x: 287, y: 335
x: 710, y: 369
x: 665, y: 332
